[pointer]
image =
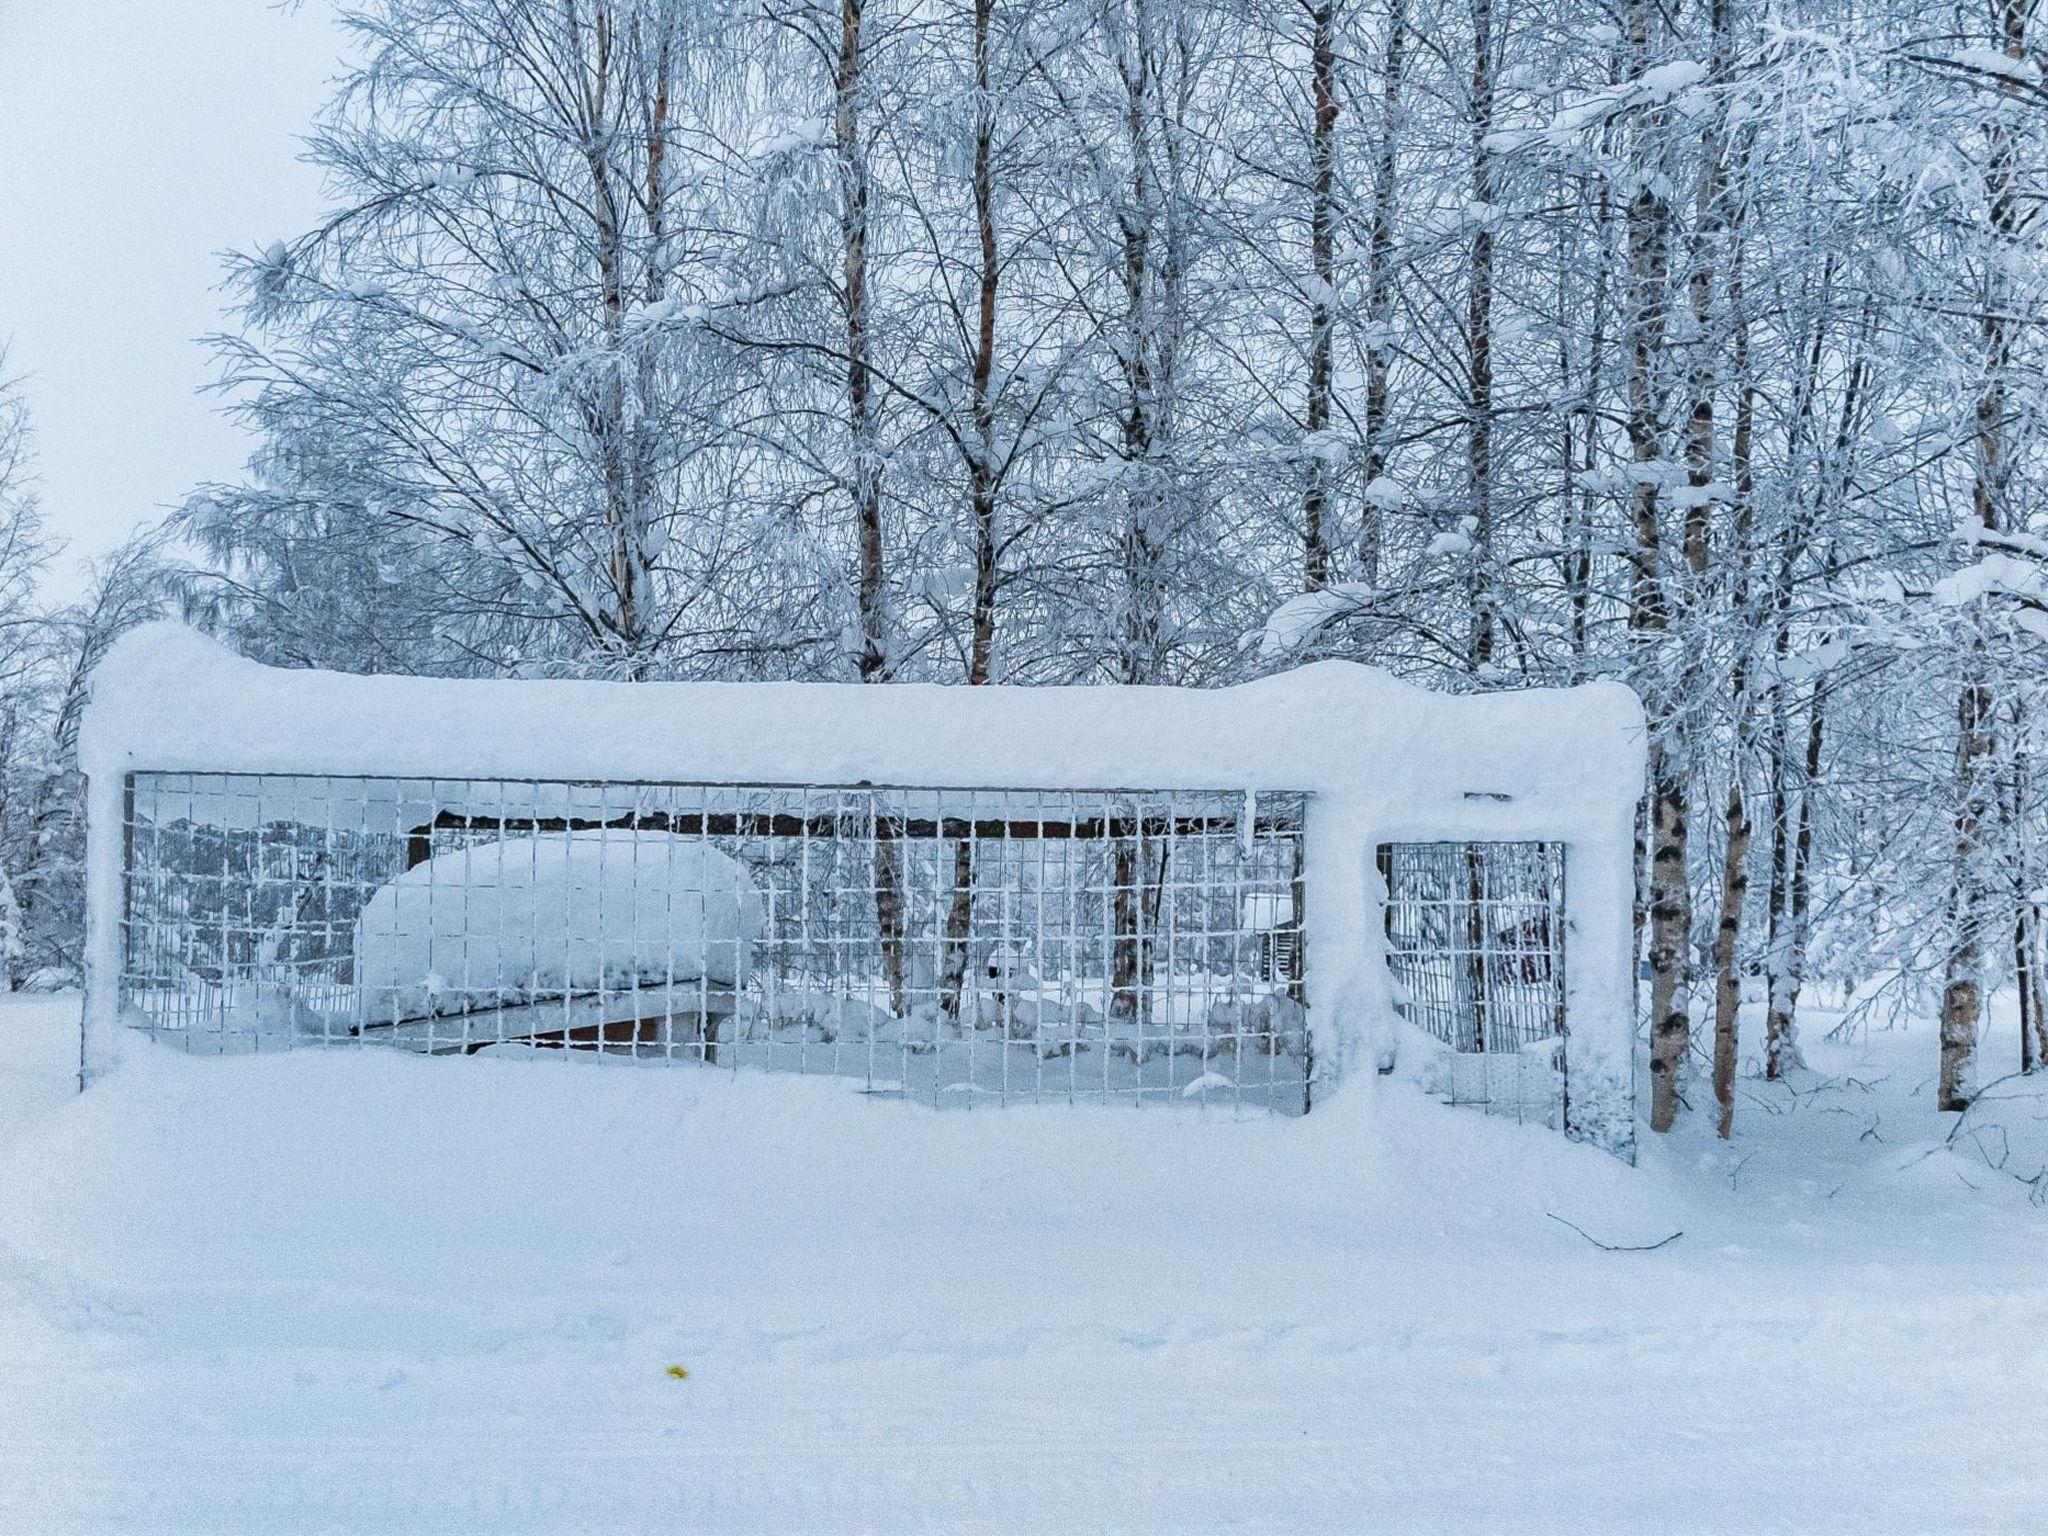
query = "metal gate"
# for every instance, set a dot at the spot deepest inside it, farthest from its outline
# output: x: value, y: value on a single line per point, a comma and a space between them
x: 1475, y: 942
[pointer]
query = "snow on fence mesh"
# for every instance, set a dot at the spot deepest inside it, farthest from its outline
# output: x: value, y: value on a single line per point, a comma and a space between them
x: 952, y: 944
x: 1475, y: 943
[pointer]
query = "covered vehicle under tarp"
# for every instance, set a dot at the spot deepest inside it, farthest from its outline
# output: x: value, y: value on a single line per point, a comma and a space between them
x: 573, y: 936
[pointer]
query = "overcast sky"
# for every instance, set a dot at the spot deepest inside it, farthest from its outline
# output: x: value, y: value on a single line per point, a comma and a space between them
x: 139, y: 139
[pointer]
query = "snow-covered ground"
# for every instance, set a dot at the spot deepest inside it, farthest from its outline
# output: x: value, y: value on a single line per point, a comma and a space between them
x: 360, y: 1292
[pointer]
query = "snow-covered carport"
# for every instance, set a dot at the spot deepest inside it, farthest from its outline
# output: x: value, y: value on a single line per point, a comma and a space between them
x: 996, y: 892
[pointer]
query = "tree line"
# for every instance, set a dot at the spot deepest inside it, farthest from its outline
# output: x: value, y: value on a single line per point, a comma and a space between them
x: 1494, y: 342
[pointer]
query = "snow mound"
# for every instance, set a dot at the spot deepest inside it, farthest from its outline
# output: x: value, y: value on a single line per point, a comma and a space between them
x: 525, y: 918
x: 483, y: 1195
x: 2006, y: 1129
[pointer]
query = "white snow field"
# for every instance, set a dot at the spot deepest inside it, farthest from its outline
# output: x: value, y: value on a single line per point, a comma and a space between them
x: 377, y: 1293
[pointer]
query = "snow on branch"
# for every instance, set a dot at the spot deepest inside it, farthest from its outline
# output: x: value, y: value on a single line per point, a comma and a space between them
x: 1659, y: 85
x: 1993, y: 575
x: 1296, y: 622
x: 2009, y: 565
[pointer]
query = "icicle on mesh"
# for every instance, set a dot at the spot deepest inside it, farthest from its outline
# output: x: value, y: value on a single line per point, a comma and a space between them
x: 954, y: 945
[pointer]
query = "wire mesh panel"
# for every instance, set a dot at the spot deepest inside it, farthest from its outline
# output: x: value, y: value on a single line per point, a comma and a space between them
x: 953, y: 944
x: 1475, y: 942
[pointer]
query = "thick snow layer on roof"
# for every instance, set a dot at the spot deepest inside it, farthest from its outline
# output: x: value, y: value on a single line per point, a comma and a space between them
x: 167, y: 698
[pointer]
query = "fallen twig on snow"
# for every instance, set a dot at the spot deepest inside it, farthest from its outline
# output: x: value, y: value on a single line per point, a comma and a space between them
x: 1616, y: 1247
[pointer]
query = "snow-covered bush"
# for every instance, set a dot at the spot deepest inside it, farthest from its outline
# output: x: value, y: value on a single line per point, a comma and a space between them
x: 793, y: 1014
x: 1270, y: 1021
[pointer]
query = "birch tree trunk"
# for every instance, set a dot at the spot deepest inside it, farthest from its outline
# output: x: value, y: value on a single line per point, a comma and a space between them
x: 1788, y: 971
x: 597, y: 87
x: 1971, y: 896
x: 981, y: 474
x: 2031, y: 972
x: 1646, y: 325
x: 1379, y: 290
x: 1587, y: 383
x: 1713, y: 229
x: 1323, y: 223
x: 1736, y: 828
x: 1973, y: 899
x: 1152, y: 278
x: 1479, y: 595
x: 1144, y: 514
x: 2022, y: 881
x: 871, y: 657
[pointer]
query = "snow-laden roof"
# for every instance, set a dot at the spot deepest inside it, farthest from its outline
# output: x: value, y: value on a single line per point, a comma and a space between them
x: 167, y: 698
